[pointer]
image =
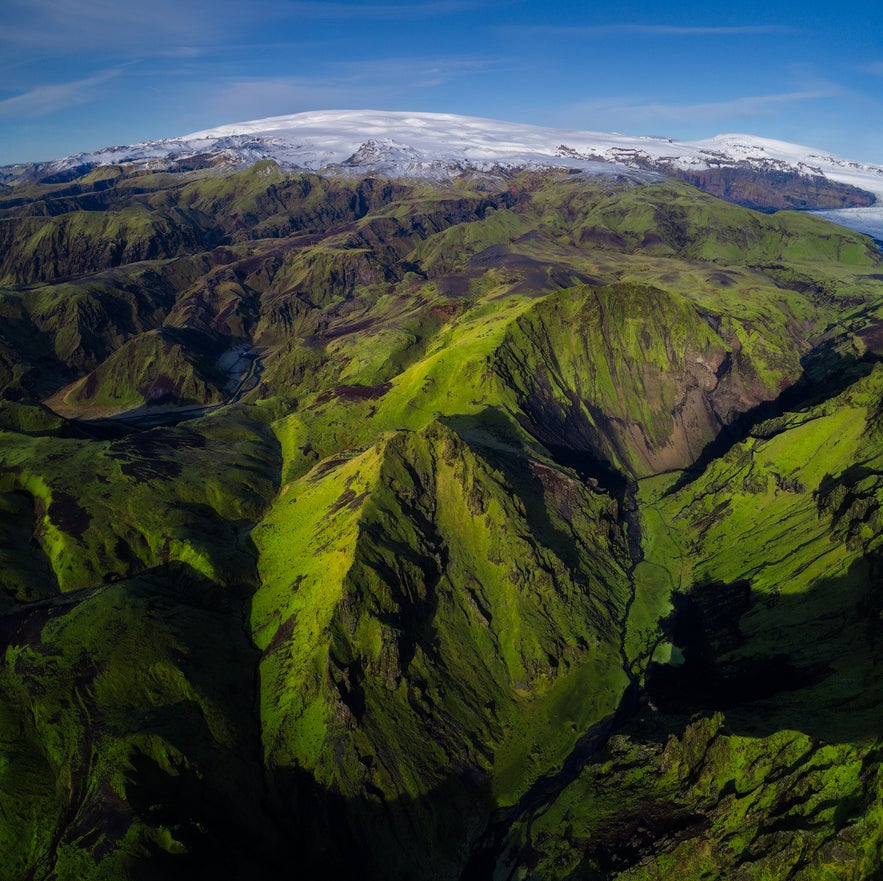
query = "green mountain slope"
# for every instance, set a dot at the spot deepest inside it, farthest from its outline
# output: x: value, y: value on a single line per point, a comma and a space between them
x: 758, y: 744
x: 521, y: 527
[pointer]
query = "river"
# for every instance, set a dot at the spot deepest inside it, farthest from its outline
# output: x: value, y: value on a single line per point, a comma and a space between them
x: 243, y: 367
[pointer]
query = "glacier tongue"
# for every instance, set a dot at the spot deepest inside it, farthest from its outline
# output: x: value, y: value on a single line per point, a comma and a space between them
x: 866, y: 220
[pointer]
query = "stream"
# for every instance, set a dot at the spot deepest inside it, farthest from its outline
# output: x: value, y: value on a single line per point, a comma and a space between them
x: 241, y: 381
x: 489, y: 847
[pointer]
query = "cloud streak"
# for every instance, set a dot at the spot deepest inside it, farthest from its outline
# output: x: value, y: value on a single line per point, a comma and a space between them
x: 47, y: 99
x: 628, y: 112
x: 405, y: 69
x: 376, y: 11
x: 164, y: 27
x: 253, y: 98
x: 646, y: 30
x: 349, y: 84
x: 77, y: 26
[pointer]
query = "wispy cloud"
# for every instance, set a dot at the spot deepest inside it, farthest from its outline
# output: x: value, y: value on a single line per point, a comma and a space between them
x: 636, y: 114
x: 78, y: 26
x: 43, y: 100
x: 252, y: 98
x: 377, y: 11
x: 348, y: 84
x: 183, y: 52
x: 647, y: 30
x: 875, y: 68
x: 161, y: 27
x: 409, y: 69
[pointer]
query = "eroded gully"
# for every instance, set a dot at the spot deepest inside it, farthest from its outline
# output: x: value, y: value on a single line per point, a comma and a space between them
x: 491, y: 845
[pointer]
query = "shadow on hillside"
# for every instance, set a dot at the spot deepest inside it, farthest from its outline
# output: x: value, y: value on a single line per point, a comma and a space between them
x: 491, y: 435
x: 809, y: 662
x: 494, y: 430
x: 826, y: 374
x: 301, y: 829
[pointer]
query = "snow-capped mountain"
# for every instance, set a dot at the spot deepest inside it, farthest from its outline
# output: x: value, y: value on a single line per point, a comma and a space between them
x: 435, y: 145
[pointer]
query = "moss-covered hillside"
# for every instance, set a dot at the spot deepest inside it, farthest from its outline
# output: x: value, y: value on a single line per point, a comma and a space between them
x: 523, y: 527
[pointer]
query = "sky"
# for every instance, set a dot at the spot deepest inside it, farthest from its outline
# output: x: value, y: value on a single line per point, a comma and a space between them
x: 78, y: 75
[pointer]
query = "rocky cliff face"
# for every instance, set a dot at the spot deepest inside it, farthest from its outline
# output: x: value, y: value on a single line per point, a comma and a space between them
x: 630, y: 376
x: 774, y: 190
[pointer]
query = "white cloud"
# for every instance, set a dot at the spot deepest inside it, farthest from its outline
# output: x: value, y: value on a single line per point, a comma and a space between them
x: 631, y: 113
x: 161, y: 27
x: 404, y: 70
x: 375, y: 11
x: 253, y: 98
x: 43, y: 100
x: 649, y: 30
x: 349, y: 84
x: 111, y: 27
x: 183, y: 52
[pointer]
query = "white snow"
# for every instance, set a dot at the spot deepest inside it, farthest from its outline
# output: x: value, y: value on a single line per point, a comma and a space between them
x: 439, y: 145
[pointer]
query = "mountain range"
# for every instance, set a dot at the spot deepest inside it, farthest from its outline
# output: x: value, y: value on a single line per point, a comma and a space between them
x: 757, y: 172
x: 414, y: 496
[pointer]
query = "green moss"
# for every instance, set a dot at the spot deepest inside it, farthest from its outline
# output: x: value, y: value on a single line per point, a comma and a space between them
x: 390, y: 589
x: 426, y: 532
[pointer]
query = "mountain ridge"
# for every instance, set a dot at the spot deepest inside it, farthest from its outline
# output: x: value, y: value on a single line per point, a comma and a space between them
x: 439, y: 144
x: 759, y: 173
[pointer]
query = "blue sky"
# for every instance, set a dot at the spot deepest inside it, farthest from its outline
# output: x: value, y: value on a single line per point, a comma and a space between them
x: 81, y: 74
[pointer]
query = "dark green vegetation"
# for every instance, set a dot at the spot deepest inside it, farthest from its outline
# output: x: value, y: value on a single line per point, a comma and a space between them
x: 542, y: 537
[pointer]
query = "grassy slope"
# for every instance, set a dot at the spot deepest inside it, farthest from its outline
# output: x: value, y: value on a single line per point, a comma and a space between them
x: 437, y: 602
x: 768, y: 781
x: 434, y: 615
x: 127, y: 679
x: 472, y: 523
x: 796, y: 318
x: 152, y: 368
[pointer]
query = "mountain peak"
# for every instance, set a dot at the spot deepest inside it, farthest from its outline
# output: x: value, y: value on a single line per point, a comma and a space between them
x: 405, y: 144
x: 429, y: 142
